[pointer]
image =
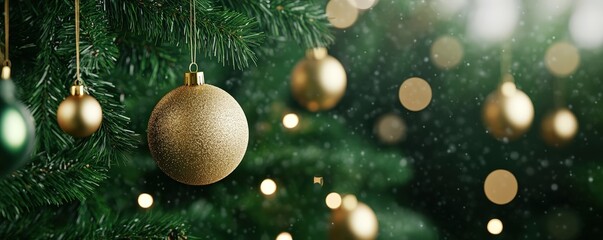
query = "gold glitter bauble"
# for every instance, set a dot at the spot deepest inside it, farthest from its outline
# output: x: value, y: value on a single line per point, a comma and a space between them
x: 198, y: 133
x: 559, y: 127
x: 79, y: 115
x: 508, y: 112
x: 318, y: 82
x: 353, y: 220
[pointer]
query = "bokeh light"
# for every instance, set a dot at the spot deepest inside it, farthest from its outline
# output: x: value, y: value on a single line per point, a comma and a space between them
x: 145, y: 200
x: 415, y: 94
x: 495, y: 226
x: 333, y: 200
x: 390, y: 129
x: 446, y: 52
x: 268, y: 186
x: 585, y: 24
x: 284, y: 236
x: 341, y: 13
x: 290, y: 120
x: 448, y: 8
x: 349, y: 202
x: 493, y: 20
x: 362, y: 4
x: 500, y: 186
x: 363, y: 222
x: 562, y: 59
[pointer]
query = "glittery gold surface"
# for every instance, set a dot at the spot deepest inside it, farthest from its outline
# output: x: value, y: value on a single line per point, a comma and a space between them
x: 80, y: 115
x: 508, y: 112
x: 318, y: 81
x: 198, y: 134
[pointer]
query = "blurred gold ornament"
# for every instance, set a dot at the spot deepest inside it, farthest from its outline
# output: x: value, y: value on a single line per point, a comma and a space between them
x: 390, y: 128
x: 562, y: 59
x: 353, y: 220
x: 500, y: 186
x: 197, y: 133
x: 415, y: 94
x: 508, y: 112
x: 559, y: 127
x: 79, y: 115
x: 318, y: 82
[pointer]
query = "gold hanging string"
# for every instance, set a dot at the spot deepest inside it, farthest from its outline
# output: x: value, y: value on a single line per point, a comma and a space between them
x: 505, y: 63
x: 6, y: 19
x: 78, y: 80
x: 193, y: 67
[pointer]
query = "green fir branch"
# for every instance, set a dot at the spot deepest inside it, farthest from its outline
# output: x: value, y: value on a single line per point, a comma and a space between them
x: 47, y: 184
x: 303, y: 21
x: 228, y: 36
x: 67, y: 169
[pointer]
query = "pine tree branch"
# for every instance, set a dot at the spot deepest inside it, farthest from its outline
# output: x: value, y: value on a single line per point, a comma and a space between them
x: 67, y: 169
x: 47, y: 184
x: 303, y: 21
x: 226, y: 35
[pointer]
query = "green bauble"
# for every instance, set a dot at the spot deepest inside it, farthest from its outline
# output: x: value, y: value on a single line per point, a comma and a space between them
x: 17, y: 131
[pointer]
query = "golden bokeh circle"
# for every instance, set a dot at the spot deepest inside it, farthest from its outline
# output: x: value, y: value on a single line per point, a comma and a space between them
x: 446, y: 52
x: 333, y: 200
x: 562, y: 59
x: 500, y: 186
x: 341, y: 13
x: 284, y: 236
x: 390, y: 129
x: 290, y: 120
x: 268, y: 186
x: 145, y: 200
x: 415, y: 94
x: 495, y: 226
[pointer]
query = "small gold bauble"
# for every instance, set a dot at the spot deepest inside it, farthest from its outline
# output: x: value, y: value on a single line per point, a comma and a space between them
x: 353, y: 220
x: 508, y: 112
x: 318, y: 82
x: 198, y: 133
x: 79, y: 115
x: 559, y: 127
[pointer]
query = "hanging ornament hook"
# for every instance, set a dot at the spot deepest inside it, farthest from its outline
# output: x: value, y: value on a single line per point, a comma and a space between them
x: 6, y: 64
x: 193, y: 67
x: 78, y: 80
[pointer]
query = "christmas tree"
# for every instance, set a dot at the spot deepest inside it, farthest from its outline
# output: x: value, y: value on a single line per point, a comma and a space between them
x: 423, y: 159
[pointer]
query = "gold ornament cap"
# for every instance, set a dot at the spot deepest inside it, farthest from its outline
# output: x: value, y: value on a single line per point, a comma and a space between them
x: 6, y: 72
x: 194, y: 78
x: 316, y: 53
x: 77, y: 90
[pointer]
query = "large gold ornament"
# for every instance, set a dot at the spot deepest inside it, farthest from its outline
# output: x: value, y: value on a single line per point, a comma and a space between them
x: 197, y: 133
x: 79, y: 115
x: 508, y: 112
x: 559, y: 127
x: 353, y: 220
x: 318, y: 82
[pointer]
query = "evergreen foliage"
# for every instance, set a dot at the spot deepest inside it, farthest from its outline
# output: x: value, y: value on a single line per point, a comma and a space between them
x: 116, y: 36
